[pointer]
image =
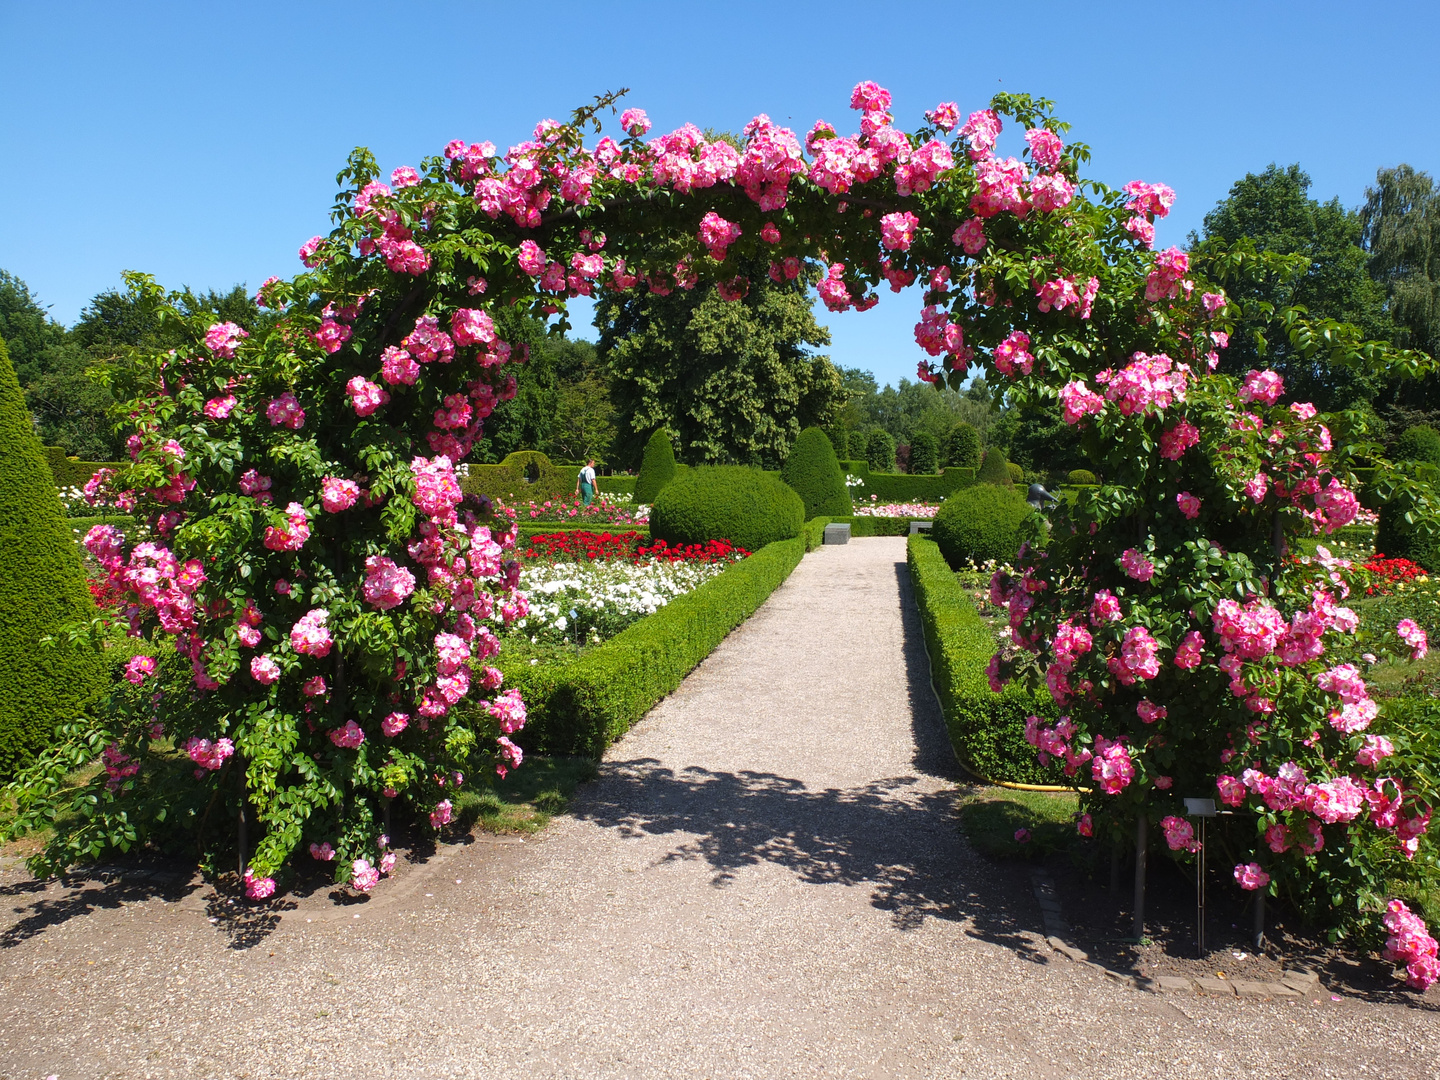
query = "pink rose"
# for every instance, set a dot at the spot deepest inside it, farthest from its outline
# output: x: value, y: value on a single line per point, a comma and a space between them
x: 1250, y: 876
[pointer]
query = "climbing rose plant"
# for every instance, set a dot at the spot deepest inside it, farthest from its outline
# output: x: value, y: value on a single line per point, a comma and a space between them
x: 330, y: 601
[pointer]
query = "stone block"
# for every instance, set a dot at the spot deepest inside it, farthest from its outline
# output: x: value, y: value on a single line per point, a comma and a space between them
x: 920, y: 526
x: 837, y: 532
x: 1252, y: 988
x: 1172, y: 984
x: 1224, y: 987
x: 1301, y: 981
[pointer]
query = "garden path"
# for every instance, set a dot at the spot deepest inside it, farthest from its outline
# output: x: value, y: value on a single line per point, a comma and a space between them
x: 766, y: 881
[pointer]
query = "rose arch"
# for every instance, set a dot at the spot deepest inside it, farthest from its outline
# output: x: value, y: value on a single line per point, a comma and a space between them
x: 331, y: 599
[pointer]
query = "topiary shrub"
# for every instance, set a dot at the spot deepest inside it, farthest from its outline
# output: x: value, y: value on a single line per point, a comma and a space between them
x: 814, y: 472
x: 1083, y: 477
x: 42, y: 587
x: 962, y: 447
x: 979, y: 523
x: 924, y: 453
x: 995, y: 469
x: 727, y: 502
x: 1420, y: 443
x: 880, y: 451
x: 839, y: 437
x: 1017, y: 474
x: 657, y: 467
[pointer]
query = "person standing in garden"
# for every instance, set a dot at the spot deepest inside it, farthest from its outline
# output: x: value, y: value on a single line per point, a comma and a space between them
x: 585, y: 482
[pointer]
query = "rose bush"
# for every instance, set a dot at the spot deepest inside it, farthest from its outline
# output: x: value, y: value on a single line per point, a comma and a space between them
x: 1166, y: 612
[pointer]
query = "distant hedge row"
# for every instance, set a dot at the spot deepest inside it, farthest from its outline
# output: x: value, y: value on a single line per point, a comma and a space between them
x: 905, y: 487
x: 72, y: 472
x: 581, y: 707
x: 987, y: 729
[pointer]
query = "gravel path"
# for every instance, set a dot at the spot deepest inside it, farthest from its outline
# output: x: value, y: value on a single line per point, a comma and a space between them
x: 766, y: 881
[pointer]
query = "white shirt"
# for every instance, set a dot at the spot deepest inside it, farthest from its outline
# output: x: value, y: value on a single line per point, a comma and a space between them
x: 587, y: 476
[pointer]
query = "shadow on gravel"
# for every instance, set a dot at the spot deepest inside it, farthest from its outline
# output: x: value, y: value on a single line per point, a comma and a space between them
x: 934, y: 755
x: 100, y: 888
x: 900, y: 841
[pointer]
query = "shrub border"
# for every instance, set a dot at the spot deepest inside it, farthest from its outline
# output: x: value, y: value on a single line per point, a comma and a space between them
x: 582, y: 707
x: 986, y: 729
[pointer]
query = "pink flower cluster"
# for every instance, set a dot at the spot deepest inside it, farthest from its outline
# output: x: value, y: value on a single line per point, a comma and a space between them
x: 1013, y: 353
x: 348, y: 737
x: 285, y: 411
x: 386, y: 585
x: 310, y: 636
x: 897, y: 230
x: 1410, y: 944
x: 1251, y: 876
x: 717, y: 235
x: 1412, y: 635
x: 337, y: 494
x: 223, y: 338
x: 1262, y: 387
x: 1146, y: 384
x: 1136, y: 566
x: 1139, y: 657
x: 1179, y: 834
x: 1079, y: 401
x: 1166, y: 279
x: 1174, y: 441
x: 365, y: 395
x: 207, y: 754
x: 293, y: 534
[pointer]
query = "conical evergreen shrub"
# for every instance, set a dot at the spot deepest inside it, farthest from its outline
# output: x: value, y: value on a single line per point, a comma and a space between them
x: 657, y: 467
x: 962, y: 447
x: 813, y: 470
x: 995, y: 469
x: 42, y: 587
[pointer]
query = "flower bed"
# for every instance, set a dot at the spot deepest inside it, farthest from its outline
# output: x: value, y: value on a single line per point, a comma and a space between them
x: 898, y: 510
x: 586, y: 587
x: 606, y: 509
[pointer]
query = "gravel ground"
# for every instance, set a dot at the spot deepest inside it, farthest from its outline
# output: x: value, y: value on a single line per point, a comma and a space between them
x: 766, y: 881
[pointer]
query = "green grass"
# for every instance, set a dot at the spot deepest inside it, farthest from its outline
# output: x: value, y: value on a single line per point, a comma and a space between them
x: 989, y: 817
x: 526, y: 800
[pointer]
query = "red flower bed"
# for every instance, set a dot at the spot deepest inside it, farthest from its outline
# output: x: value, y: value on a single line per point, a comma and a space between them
x: 1387, y: 573
x: 596, y: 547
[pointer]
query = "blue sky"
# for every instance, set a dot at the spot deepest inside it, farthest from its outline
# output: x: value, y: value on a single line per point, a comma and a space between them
x: 199, y: 142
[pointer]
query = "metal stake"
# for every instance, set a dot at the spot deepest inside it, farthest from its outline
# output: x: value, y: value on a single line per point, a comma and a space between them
x: 1140, y: 839
x: 1200, y: 895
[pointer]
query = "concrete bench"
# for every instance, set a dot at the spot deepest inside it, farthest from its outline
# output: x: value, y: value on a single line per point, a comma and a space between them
x: 837, y: 532
x: 920, y: 526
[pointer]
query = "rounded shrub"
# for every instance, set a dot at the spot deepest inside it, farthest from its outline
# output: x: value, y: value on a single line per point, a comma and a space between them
x: 657, y: 467
x: 1017, y: 474
x: 814, y: 472
x: 42, y: 587
x: 839, y: 437
x: 980, y: 522
x: 1083, y: 477
x: 962, y: 447
x: 994, y: 469
x: 880, y: 452
x: 924, y: 453
x: 1421, y: 443
x: 727, y: 502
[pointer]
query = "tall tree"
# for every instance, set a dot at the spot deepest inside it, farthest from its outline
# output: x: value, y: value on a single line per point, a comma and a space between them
x: 1401, y: 231
x: 1274, y: 211
x: 735, y: 381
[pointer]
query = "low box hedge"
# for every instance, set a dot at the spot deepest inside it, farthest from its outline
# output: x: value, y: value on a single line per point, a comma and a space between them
x: 987, y: 729
x: 907, y: 487
x: 582, y: 706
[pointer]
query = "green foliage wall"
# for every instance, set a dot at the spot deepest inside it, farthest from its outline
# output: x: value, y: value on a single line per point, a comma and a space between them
x: 729, y: 502
x: 987, y: 730
x: 814, y: 473
x: 521, y: 477
x: 657, y: 468
x: 42, y: 587
x: 1420, y: 443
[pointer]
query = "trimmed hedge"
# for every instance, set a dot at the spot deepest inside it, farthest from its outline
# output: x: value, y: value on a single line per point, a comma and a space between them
x: 987, y: 729
x: 982, y: 522
x: 615, y: 485
x: 962, y: 447
x: 72, y: 472
x: 1420, y: 443
x: 995, y: 469
x: 42, y: 587
x: 581, y: 707
x: 524, y: 476
x: 813, y: 472
x: 657, y: 468
x: 908, y: 487
x: 1082, y: 478
x: 880, y: 451
x: 726, y: 502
